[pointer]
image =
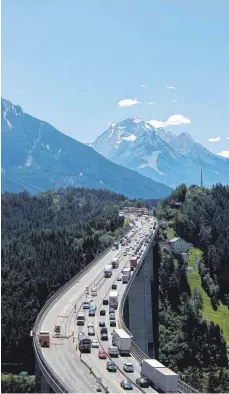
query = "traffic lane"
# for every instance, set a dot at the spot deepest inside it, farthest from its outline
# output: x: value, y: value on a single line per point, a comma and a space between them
x: 75, y: 291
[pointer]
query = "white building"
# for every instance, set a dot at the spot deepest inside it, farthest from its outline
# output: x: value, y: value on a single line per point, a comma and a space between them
x: 178, y: 245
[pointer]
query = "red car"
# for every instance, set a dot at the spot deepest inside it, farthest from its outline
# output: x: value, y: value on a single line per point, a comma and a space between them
x: 102, y: 354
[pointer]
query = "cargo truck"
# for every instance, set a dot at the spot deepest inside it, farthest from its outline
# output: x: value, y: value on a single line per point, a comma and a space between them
x: 133, y: 262
x: 85, y: 345
x: 80, y: 320
x: 122, y: 340
x: 94, y: 291
x: 126, y: 272
x: 108, y: 271
x: 115, y: 262
x: 113, y: 299
x: 161, y: 377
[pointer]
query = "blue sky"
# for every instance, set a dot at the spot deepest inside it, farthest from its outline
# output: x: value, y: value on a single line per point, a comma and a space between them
x: 70, y: 62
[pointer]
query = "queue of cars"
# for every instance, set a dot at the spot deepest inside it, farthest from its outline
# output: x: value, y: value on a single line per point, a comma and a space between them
x: 113, y: 351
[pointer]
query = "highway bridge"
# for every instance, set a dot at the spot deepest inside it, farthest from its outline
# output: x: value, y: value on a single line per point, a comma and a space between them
x: 60, y: 367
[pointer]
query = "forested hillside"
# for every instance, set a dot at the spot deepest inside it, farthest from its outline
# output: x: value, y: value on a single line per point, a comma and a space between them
x: 189, y: 343
x: 46, y: 239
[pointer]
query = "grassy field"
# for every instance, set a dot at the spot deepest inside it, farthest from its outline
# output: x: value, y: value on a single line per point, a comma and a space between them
x: 221, y: 316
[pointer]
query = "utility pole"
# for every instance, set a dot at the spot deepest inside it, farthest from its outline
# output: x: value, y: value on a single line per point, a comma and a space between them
x: 201, y: 179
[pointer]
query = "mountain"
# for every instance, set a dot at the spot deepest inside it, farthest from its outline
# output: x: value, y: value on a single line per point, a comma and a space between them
x: 35, y: 155
x: 160, y: 155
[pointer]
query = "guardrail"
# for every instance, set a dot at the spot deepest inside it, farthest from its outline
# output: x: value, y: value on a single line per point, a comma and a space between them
x: 136, y: 352
x: 52, y: 378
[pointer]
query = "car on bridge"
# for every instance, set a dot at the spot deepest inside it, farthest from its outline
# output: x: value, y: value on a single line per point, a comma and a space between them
x: 112, y: 316
x: 111, y: 366
x: 128, y: 367
x: 94, y: 343
x: 102, y: 312
x: 102, y: 324
x: 126, y: 385
x: 105, y: 302
x: 90, y: 324
x: 91, y: 331
x: 104, y: 337
x: 142, y: 382
x: 91, y: 313
x: 112, y: 323
x: 102, y: 354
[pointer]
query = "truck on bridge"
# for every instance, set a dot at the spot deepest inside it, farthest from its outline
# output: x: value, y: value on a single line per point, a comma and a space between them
x: 122, y: 340
x: 115, y: 262
x: 161, y: 377
x: 85, y: 345
x: 108, y: 271
x: 113, y: 299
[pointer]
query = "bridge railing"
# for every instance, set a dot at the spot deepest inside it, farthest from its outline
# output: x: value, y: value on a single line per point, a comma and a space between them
x: 136, y: 352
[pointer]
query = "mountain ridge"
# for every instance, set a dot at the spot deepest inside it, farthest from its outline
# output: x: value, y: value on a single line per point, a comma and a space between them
x: 35, y: 156
x: 161, y: 155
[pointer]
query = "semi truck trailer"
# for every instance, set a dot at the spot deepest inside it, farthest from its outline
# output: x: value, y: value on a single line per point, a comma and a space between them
x: 115, y: 262
x: 108, y: 271
x: 161, y: 377
x: 122, y: 340
x: 126, y: 272
x: 133, y: 262
x: 113, y: 299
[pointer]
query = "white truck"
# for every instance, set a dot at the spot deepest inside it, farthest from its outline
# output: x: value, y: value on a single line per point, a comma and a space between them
x: 94, y: 291
x: 108, y: 271
x: 122, y: 340
x: 115, y: 262
x: 80, y: 320
x: 113, y: 351
x: 126, y: 273
x: 113, y: 299
x: 162, y: 377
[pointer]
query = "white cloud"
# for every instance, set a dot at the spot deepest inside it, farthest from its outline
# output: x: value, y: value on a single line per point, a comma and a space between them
x: 170, y: 87
x: 143, y: 86
x: 224, y: 153
x: 227, y: 138
x: 151, y: 102
x: 174, y: 101
x: 128, y: 102
x: 174, y: 120
x: 214, y: 139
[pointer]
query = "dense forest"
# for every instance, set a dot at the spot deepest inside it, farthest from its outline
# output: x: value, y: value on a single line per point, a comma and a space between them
x: 17, y: 384
x: 188, y: 343
x: 203, y: 219
x: 46, y: 240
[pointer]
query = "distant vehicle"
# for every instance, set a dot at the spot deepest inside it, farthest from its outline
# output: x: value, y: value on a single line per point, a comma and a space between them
x: 105, y: 302
x: 103, y: 330
x: 94, y: 291
x: 128, y: 367
x: 102, y: 354
x: 108, y: 271
x: 122, y: 340
x: 133, y: 263
x: 119, y: 278
x: 102, y: 324
x: 80, y: 319
x: 116, y: 245
x: 94, y: 343
x: 113, y: 351
x: 125, y: 253
x: 142, y: 382
x: 104, y: 337
x: 90, y: 324
x: 111, y: 310
x: 111, y: 366
x: 93, y: 307
x: 86, y: 305
x: 126, y: 385
x: 162, y: 377
x: 91, y: 331
x: 114, y: 286
x: 85, y: 345
x: 113, y: 299
x: 112, y: 323
x: 91, y: 312
x: 126, y: 273
x: 112, y: 316
x: 81, y: 335
x: 102, y: 312
x: 115, y: 262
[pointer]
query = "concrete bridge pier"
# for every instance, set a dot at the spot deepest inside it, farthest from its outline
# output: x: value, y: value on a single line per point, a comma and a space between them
x: 42, y: 385
x: 138, y: 310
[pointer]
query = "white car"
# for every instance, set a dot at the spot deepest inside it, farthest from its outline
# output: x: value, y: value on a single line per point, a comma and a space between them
x: 128, y: 367
x: 94, y: 343
x: 90, y: 324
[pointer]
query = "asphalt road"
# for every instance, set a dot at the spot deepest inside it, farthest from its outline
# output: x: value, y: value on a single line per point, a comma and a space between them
x: 62, y: 354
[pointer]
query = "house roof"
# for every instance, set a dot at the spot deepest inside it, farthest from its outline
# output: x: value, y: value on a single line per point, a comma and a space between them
x: 174, y: 239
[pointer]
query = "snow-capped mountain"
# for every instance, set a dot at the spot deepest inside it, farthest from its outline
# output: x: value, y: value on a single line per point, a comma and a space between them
x: 160, y: 155
x: 35, y: 155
